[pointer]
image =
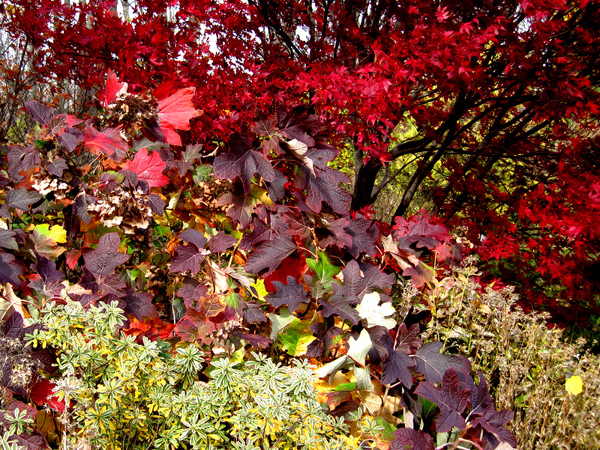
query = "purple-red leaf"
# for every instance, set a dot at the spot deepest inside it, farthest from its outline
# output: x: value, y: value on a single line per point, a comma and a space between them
x: 398, y: 363
x: 363, y: 237
x: 494, y: 424
x: 242, y: 162
x: 323, y: 187
x: 269, y: 255
x: 195, y: 237
x: 20, y: 199
x: 41, y: 113
x: 139, y: 304
x: 397, y: 367
x: 433, y: 364
x: 106, y: 258
x: 9, y: 269
x: 221, y: 242
x: 21, y: 159
x: 419, y: 231
x: 451, y: 400
x: 255, y: 340
x: 409, y: 439
x: 188, y: 258
x: 290, y: 295
x: 191, y: 291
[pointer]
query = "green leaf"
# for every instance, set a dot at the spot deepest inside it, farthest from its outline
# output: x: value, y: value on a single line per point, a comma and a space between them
x: 345, y: 387
x: 280, y: 321
x: 295, y: 343
x: 201, y: 173
x: 360, y: 347
x: 324, y: 270
x: 363, y: 378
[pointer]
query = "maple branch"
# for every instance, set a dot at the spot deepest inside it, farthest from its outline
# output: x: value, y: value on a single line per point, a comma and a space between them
x: 263, y: 7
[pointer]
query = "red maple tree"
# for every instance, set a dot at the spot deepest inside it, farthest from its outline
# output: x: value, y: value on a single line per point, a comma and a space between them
x: 502, y: 96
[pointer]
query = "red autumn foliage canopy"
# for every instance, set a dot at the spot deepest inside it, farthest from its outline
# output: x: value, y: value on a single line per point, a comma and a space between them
x: 500, y: 96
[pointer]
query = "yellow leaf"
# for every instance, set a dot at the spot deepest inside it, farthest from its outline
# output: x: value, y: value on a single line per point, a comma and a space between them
x: 57, y: 233
x: 259, y: 287
x: 574, y: 385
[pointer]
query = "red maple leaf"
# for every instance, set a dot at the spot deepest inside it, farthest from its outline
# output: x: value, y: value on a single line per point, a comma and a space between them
x: 294, y: 265
x: 148, y: 167
x: 108, y: 141
x: 113, y: 87
x: 42, y: 392
x: 175, y: 113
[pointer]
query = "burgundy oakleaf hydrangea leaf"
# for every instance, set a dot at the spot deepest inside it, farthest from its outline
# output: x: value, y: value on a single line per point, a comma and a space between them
x: 193, y: 237
x: 82, y: 201
x: 397, y: 367
x: 433, y: 364
x: 220, y: 242
x: 407, y: 340
x: 255, y: 340
x: 9, y: 269
x: 56, y: 167
x: 252, y: 312
x: 13, y: 327
x: 188, y: 258
x: 188, y: 157
x: 381, y: 341
x: 49, y: 282
x: 41, y: 113
x: 277, y: 186
x: 243, y: 162
x: 290, y: 295
x: 269, y: 255
x: 106, y: 258
x: 7, y: 239
x: 420, y: 274
x: 191, y: 291
x: 139, y: 304
x: 31, y: 441
x: 480, y: 395
x: 323, y: 187
x: 494, y: 426
x: 356, y: 283
x: 363, y: 237
x: 342, y: 306
x: 195, y: 325
x: 451, y: 400
x: 332, y: 232
x: 298, y: 118
x: 398, y: 363
x: 409, y: 439
x: 324, y: 334
x: 70, y: 139
x: 361, y: 280
x: 156, y: 203
x: 20, y: 199
x: 21, y: 159
x: 420, y: 231
x: 260, y: 233
x: 241, y: 209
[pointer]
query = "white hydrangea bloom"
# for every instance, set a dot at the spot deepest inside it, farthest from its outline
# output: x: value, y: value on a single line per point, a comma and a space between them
x: 374, y: 313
